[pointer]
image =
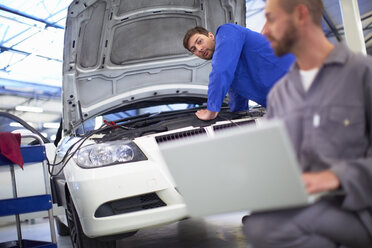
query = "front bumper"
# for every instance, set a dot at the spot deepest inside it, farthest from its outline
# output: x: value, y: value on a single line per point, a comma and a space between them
x: 93, y: 189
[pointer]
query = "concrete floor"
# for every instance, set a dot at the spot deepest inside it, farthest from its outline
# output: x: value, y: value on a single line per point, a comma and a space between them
x: 221, y: 231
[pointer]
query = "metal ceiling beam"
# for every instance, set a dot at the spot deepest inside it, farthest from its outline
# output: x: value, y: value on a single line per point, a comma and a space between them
x: 41, y: 91
x: 3, y: 49
x: 328, y: 20
x: 30, y: 95
x: 16, y: 12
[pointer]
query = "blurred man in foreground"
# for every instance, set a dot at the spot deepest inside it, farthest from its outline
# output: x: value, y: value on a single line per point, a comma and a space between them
x: 325, y: 101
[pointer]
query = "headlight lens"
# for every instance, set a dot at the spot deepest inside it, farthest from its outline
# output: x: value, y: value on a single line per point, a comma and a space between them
x: 108, y: 153
x: 124, y: 153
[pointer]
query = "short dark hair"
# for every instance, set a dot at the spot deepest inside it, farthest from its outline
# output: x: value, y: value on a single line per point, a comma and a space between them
x: 191, y: 32
x: 315, y: 8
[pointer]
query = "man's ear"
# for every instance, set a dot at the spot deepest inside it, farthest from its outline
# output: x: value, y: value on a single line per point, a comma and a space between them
x: 210, y: 35
x: 302, y: 14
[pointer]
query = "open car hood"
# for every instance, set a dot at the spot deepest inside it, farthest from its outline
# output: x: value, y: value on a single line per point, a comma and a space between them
x: 117, y: 52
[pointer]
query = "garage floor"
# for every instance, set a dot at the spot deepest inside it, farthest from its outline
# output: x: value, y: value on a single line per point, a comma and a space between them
x: 222, y: 231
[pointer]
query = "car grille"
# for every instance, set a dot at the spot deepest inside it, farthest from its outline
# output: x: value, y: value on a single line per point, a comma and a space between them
x: 179, y: 135
x: 128, y: 205
x: 230, y: 125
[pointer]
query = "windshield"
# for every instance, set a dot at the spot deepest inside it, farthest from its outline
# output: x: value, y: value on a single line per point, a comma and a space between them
x: 112, y: 117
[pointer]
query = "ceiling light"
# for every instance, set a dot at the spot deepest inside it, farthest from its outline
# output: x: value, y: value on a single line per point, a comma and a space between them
x: 51, y: 125
x: 15, y: 124
x: 29, y: 109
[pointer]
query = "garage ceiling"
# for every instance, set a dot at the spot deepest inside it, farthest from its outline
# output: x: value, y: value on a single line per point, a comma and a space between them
x: 31, y: 47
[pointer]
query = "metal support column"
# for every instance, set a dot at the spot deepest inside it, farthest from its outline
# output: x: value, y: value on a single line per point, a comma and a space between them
x: 353, y: 25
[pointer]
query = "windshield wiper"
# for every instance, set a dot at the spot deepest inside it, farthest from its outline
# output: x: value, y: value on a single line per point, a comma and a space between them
x: 155, y: 116
x: 132, y: 118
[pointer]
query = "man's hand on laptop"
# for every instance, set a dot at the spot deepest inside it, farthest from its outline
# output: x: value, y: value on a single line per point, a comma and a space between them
x: 320, y: 181
x: 206, y: 115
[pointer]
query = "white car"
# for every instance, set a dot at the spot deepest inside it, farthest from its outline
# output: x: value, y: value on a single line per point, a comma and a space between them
x: 128, y: 85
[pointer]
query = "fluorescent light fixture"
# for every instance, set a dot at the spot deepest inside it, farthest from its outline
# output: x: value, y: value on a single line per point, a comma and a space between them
x: 29, y: 109
x: 51, y: 125
x: 15, y: 124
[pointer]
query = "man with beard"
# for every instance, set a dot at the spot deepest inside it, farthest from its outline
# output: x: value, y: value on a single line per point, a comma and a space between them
x: 325, y: 101
x: 243, y: 64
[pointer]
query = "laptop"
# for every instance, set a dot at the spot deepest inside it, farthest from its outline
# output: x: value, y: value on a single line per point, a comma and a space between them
x: 248, y: 168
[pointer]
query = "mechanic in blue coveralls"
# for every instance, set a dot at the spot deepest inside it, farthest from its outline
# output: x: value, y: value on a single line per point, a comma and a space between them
x: 243, y: 65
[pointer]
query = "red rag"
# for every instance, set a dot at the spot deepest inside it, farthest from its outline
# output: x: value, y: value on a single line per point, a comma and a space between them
x: 10, y: 147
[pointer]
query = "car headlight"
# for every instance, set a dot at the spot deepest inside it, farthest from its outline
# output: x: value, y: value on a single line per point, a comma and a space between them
x: 108, y: 153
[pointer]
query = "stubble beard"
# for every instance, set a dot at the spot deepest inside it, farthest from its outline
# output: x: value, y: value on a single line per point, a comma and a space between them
x: 210, y: 55
x: 211, y: 51
x: 286, y: 43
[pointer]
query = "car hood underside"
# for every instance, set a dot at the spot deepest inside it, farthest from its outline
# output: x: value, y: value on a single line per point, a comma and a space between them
x: 120, y: 51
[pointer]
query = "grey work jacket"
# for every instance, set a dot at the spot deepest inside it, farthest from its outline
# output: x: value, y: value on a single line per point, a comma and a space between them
x: 330, y: 124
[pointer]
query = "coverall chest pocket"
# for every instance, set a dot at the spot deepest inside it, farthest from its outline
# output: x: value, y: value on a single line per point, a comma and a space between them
x: 341, y: 132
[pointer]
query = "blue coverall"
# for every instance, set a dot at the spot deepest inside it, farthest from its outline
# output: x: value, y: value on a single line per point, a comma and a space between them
x: 244, y: 65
